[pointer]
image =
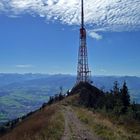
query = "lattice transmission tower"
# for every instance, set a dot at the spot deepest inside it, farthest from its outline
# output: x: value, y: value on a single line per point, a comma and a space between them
x: 83, y: 72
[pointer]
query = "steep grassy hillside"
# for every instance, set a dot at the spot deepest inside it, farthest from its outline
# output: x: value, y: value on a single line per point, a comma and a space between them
x: 68, y: 120
x: 46, y: 123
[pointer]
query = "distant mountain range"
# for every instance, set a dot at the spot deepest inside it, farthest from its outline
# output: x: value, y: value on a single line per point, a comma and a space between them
x: 22, y: 93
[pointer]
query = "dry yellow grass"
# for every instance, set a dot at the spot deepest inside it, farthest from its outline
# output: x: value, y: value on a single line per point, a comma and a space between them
x: 103, y: 127
x: 44, y: 124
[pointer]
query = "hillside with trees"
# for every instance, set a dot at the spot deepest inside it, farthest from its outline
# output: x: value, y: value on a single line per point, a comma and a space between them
x: 85, y: 112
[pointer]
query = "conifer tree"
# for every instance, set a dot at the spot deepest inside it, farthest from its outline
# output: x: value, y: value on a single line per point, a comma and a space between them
x: 125, y: 95
x: 118, y: 104
x: 116, y: 88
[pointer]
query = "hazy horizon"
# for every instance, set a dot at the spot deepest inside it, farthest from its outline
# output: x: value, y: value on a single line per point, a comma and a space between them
x: 71, y: 74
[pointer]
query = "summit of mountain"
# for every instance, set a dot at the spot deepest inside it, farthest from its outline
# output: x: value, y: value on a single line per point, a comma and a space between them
x: 71, y: 117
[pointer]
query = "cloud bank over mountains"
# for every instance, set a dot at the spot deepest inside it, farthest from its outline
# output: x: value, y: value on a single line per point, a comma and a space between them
x: 100, y: 15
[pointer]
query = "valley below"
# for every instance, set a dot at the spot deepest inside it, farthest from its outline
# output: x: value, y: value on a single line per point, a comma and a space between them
x: 23, y: 93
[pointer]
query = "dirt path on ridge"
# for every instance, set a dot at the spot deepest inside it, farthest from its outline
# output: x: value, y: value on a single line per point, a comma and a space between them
x: 74, y: 128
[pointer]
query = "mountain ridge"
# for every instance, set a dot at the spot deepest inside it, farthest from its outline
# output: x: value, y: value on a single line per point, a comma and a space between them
x: 67, y: 118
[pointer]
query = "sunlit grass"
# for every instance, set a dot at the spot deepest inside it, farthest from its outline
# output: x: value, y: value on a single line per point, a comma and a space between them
x: 104, y: 127
x: 47, y: 123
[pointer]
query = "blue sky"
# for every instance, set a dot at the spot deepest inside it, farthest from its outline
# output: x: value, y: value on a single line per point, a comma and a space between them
x: 42, y: 42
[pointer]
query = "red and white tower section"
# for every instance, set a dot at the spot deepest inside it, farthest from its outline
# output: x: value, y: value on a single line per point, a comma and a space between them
x: 83, y: 72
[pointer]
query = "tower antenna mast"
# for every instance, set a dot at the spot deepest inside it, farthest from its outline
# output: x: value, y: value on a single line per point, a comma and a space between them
x: 82, y: 14
x: 83, y: 73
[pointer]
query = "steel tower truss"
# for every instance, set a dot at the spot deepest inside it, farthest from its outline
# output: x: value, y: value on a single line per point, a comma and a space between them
x: 83, y: 73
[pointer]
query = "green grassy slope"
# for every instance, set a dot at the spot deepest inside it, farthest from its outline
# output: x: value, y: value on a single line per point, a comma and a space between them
x: 49, y: 124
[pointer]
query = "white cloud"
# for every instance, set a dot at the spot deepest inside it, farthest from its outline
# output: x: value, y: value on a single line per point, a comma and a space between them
x: 24, y: 66
x: 1, y: 6
x: 100, y: 15
x: 94, y: 35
